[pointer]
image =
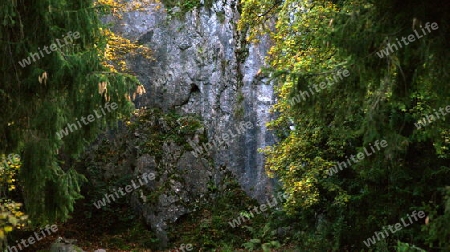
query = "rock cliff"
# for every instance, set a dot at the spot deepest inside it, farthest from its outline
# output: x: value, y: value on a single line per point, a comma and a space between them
x: 202, y: 66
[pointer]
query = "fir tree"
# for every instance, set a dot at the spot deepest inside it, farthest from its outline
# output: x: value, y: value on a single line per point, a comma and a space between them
x: 41, y: 98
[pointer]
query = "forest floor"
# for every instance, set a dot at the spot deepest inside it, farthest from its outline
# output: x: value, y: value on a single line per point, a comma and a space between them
x: 118, y: 229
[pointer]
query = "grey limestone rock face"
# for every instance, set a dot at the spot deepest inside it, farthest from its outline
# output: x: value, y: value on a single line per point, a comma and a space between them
x: 200, y: 68
x: 203, y: 66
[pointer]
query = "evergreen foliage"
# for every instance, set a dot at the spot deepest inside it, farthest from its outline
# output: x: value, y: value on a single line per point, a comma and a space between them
x: 42, y: 98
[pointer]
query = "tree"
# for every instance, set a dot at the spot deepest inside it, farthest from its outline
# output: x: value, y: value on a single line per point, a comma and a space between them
x: 381, y: 99
x: 54, y: 74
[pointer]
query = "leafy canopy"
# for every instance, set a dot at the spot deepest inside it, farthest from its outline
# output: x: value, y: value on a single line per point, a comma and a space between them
x: 381, y: 99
